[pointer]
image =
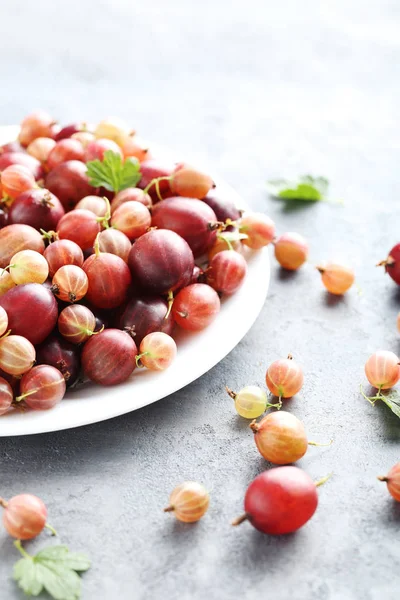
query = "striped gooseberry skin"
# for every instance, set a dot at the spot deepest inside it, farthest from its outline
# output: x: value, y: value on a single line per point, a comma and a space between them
x: 157, y: 351
x: 14, y: 238
x: 336, y: 278
x: 24, y: 516
x: 227, y: 271
x: 3, y: 321
x: 6, y: 396
x: 382, y: 369
x: 115, y: 242
x: 109, y: 357
x: 6, y: 282
x: 70, y: 283
x: 61, y: 253
x: 189, y: 501
x: 17, y: 354
x: 76, y: 323
x: 259, y: 228
x: 130, y: 195
x: 42, y: 387
x: 280, y: 438
x: 291, y: 251
x: 392, y: 480
x: 284, y: 377
x: 16, y: 179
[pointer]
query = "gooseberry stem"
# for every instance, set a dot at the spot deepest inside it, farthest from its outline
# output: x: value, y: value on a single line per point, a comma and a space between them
x: 241, y: 519
x: 156, y: 182
x: 51, y: 529
x: 372, y: 399
x: 22, y: 550
x: 3, y: 503
x: 231, y: 393
x: 139, y: 356
x: 323, y: 480
x: 169, y: 508
x: 104, y: 221
x: 318, y: 444
x: 96, y: 245
x: 170, y: 299
x: 383, y: 478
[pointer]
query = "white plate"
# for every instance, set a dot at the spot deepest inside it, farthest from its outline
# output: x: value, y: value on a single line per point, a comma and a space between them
x: 197, y: 354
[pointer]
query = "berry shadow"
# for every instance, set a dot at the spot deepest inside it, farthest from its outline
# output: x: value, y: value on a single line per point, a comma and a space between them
x: 285, y: 275
x: 292, y: 206
x: 392, y: 512
x: 333, y: 299
x: 393, y: 298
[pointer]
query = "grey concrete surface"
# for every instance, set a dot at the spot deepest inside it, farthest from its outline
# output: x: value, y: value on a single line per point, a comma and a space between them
x: 260, y: 89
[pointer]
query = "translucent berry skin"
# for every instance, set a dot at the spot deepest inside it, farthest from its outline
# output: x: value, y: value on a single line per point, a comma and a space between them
x: 80, y: 226
x: 227, y: 271
x: 161, y: 261
x: 291, y: 251
x: 134, y: 146
x: 145, y: 314
x: 69, y: 182
x: 44, y: 387
x: 132, y: 218
x: 191, y: 183
x: 38, y: 208
x: 6, y: 396
x: 222, y: 205
x: 70, y: 283
x: 40, y: 148
x: 32, y: 311
x: 280, y: 438
x: 189, y: 218
x: 284, y: 378
x: 130, y: 195
x: 109, y: 357
x: 196, y: 306
x: 37, y: 124
x: 20, y: 158
x: 24, y: 517
x: 259, y: 228
x: 336, y: 278
x: 382, y: 369
x: 95, y: 150
x: 115, y: 242
x: 63, y: 252
x: 158, y: 351
x: 112, y: 128
x: 15, y: 180
x: 62, y: 355
x: 392, y: 480
x: 3, y: 321
x: 95, y: 204
x: 281, y: 500
x: 28, y: 266
x: 109, y: 280
x: 392, y: 264
x: 67, y: 149
x: 6, y: 282
x: 250, y: 402
x: 17, y: 355
x: 14, y: 238
x: 189, y: 502
x: 76, y: 323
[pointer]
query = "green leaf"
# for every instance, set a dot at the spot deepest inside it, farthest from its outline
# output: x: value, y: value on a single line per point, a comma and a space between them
x: 112, y: 173
x: 25, y: 574
x: 59, y: 581
x: 393, y: 404
x: 54, y: 569
x: 73, y: 560
x: 306, y: 187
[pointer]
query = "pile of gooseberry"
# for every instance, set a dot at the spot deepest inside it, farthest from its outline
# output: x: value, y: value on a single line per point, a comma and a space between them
x: 95, y: 281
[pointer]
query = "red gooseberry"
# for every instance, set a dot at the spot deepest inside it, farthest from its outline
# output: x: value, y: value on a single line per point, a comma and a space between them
x: 284, y: 377
x: 196, y: 306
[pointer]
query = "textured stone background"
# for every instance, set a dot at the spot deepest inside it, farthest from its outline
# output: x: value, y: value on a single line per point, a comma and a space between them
x: 259, y: 89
